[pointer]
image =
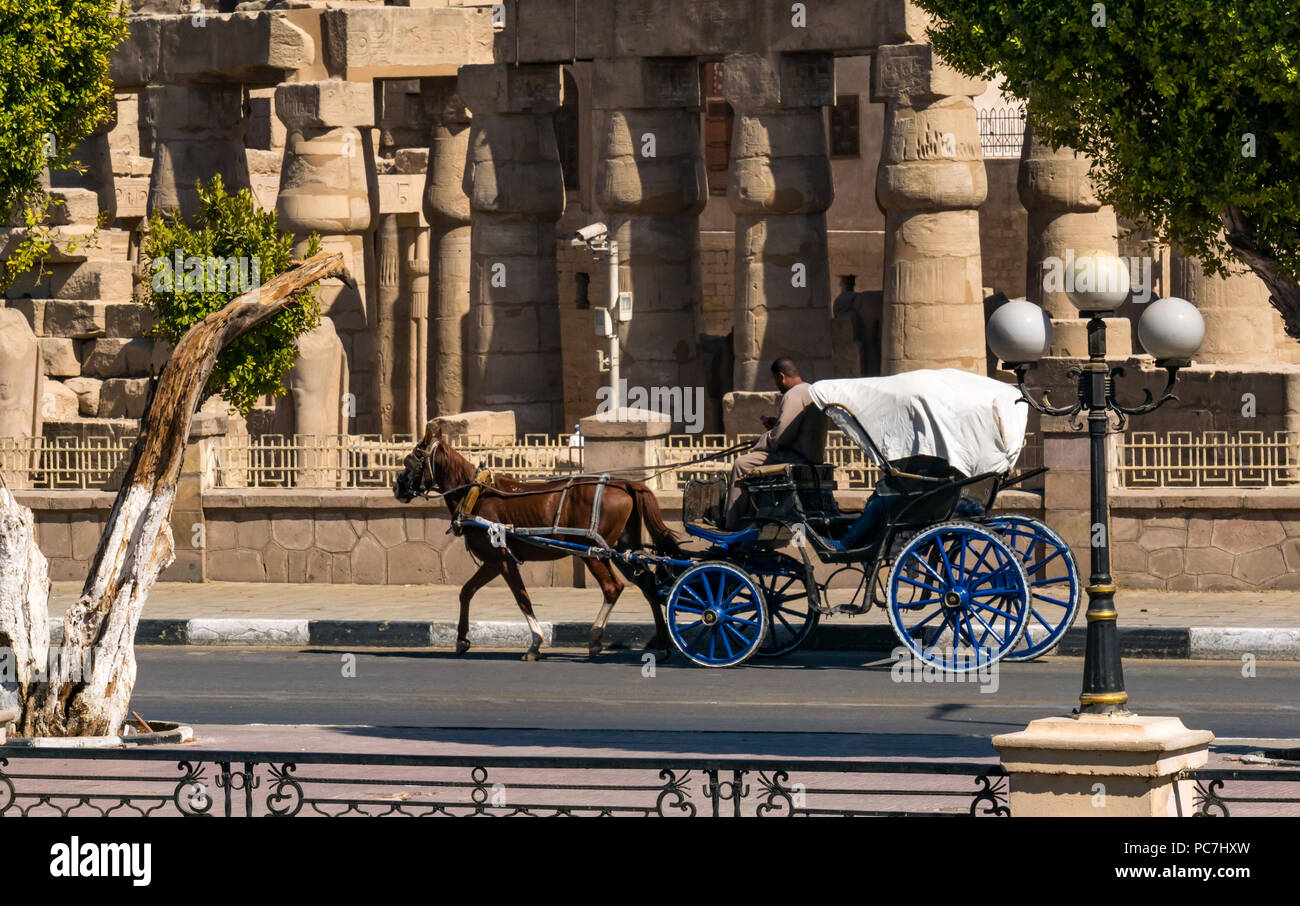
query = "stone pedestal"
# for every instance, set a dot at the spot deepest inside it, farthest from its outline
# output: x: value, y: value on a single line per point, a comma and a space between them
x: 1112, y: 766
x: 198, y: 134
x: 1066, y: 222
x: 780, y: 187
x: 650, y: 182
x: 515, y: 185
x: 623, y: 439
x: 441, y: 322
x: 930, y: 184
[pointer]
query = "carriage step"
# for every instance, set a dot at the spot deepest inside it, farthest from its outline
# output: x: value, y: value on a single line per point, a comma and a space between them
x: 851, y: 609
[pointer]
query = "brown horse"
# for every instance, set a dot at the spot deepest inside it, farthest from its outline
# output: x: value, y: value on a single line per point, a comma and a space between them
x: 625, y: 506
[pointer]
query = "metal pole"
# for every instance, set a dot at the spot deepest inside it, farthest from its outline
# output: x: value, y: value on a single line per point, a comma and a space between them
x: 614, y: 383
x: 1103, y: 672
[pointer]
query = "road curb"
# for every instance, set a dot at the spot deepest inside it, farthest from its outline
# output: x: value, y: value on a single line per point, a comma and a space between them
x: 1199, y: 643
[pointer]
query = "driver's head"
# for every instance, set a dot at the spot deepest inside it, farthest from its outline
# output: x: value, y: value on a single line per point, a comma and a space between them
x: 784, y: 374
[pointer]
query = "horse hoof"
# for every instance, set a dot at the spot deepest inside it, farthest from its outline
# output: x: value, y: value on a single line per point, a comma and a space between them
x: 594, y: 650
x: 462, y: 646
x: 532, y: 656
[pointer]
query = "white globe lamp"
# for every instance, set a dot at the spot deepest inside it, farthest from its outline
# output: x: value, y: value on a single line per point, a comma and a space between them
x: 1171, y: 329
x: 1019, y: 332
x: 1098, y: 282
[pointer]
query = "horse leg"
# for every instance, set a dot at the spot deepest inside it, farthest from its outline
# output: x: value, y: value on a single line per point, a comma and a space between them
x: 486, y: 573
x: 516, y: 582
x: 612, y: 588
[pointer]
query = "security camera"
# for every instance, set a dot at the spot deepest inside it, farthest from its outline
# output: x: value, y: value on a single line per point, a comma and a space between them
x: 591, y: 235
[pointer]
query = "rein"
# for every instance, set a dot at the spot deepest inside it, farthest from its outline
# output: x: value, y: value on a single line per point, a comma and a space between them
x: 477, y: 486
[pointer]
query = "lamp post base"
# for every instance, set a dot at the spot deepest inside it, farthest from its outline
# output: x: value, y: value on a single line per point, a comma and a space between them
x: 1102, y: 765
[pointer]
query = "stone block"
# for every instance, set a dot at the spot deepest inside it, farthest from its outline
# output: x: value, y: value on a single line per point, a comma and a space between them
x: 77, y: 320
x: 769, y: 81
x: 59, y: 402
x: 365, y: 44
x: 486, y: 426
x: 123, y: 397
x: 87, y: 390
x: 499, y: 89
x: 326, y: 104
x: 73, y: 206
x: 294, y: 533
x: 625, y: 83
x: 1209, y: 561
x: 1167, y: 563
x: 103, y: 280
x: 1158, y: 538
x: 59, y: 357
x: 1260, y: 567
x: 369, y: 565
x: 31, y: 309
x: 334, y: 533
x: 127, y: 319
x: 236, y: 566
x: 626, y: 424
x: 254, y: 46
x: 109, y: 357
x: 914, y: 71
x: 389, y: 531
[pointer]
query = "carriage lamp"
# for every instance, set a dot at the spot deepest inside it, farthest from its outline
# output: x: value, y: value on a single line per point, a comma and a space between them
x: 1171, y: 330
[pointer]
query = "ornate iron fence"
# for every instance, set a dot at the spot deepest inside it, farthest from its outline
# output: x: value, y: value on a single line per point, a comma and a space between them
x: 1209, y: 459
x: 1252, y: 791
x: 144, y: 782
x: 66, y: 463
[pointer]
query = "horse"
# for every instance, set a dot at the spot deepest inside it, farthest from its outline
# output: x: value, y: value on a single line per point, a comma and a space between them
x: 625, y: 506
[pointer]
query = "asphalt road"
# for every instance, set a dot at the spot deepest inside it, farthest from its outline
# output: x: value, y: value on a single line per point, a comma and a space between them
x: 814, y: 692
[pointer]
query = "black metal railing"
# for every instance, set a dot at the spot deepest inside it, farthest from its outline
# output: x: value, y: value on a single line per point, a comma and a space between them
x: 143, y: 782
x: 1253, y: 789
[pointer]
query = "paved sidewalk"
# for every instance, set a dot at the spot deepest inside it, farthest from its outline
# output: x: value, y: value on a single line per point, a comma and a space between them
x: 1215, y: 625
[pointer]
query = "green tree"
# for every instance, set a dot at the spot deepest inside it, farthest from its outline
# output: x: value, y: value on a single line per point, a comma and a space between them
x: 194, y: 270
x: 54, y: 92
x: 1190, y: 110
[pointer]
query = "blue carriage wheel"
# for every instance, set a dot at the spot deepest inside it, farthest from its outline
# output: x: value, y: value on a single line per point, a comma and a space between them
x: 958, y: 597
x: 791, y: 617
x: 1054, y: 587
x: 716, y: 615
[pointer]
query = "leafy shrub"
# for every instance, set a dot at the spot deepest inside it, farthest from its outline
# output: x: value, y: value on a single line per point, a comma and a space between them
x: 232, y: 246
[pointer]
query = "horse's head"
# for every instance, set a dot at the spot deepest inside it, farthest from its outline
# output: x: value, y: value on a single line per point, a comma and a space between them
x: 417, y: 475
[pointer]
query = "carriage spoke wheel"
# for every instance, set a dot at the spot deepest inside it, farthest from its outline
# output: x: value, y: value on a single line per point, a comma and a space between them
x: 1053, y: 583
x: 958, y: 597
x: 716, y: 615
x: 791, y: 617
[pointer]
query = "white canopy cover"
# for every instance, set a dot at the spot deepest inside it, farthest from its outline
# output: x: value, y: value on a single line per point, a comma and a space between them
x: 973, y: 422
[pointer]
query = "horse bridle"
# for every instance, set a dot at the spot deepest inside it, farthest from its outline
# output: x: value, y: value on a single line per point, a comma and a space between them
x: 426, y: 469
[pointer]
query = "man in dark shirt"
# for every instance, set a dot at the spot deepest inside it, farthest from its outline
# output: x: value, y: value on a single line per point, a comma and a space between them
x: 796, y: 435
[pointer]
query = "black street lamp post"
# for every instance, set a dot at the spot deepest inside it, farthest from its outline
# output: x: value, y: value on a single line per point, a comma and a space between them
x: 1172, y: 330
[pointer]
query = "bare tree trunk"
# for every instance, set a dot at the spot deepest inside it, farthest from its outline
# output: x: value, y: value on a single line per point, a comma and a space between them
x: 137, y: 541
x: 24, y: 596
x: 1282, y: 284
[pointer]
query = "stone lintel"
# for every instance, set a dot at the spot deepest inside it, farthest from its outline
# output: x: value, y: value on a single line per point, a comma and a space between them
x: 250, y: 47
x: 755, y: 81
x: 647, y: 83
x: 553, y: 31
x: 326, y: 104
x: 403, y: 42
x: 913, y: 72
x: 497, y: 89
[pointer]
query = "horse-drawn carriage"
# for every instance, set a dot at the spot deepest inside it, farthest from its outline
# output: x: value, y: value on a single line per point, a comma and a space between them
x: 961, y: 585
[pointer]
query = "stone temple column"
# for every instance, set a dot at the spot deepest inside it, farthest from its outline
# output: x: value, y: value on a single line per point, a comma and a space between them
x: 446, y: 250
x: 198, y: 133
x: 1239, y: 327
x: 930, y: 184
x: 1066, y: 222
x: 780, y: 187
x: 650, y: 182
x: 325, y: 188
x: 515, y: 186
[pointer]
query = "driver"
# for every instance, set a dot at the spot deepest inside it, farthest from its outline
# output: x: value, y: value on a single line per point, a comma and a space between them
x: 794, y: 436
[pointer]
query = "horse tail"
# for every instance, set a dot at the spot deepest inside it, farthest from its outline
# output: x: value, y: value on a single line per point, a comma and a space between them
x: 645, y: 511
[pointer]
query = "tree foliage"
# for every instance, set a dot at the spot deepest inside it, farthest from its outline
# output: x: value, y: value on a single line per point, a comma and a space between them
x: 194, y: 270
x: 54, y: 92
x: 1190, y: 110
